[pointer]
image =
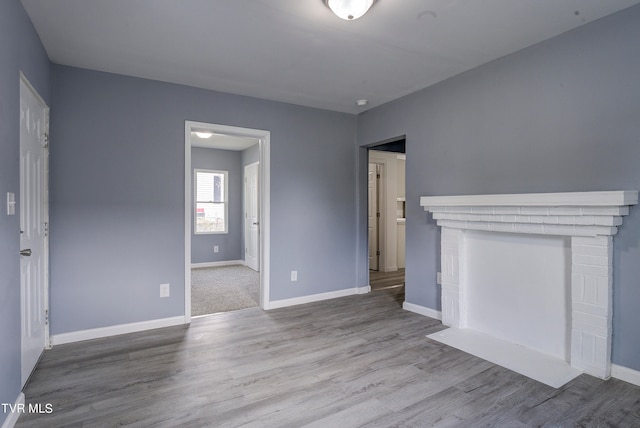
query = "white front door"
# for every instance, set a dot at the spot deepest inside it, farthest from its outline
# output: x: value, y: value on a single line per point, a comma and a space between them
x: 251, y: 217
x: 33, y: 226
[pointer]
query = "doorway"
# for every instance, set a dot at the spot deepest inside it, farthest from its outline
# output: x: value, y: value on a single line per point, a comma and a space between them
x: 386, y: 215
x: 216, y: 210
x: 34, y: 226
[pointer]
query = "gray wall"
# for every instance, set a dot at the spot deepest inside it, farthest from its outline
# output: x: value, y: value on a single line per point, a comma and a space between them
x: 560, y: 116
x: 250, y: 155
x: 117, y: 195
x: 20, y: 49
x: 229, y: 244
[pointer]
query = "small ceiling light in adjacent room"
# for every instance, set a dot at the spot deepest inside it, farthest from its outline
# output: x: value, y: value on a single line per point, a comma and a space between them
x: 349, y: 9
x: 203, y: 135
x: 362, y: 103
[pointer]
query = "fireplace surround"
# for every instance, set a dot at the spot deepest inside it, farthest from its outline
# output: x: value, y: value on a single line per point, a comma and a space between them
x: 586, y: 221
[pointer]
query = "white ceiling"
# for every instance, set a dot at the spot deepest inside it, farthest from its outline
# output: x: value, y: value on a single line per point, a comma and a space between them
x: 223, y: 142
x: 297, y: 51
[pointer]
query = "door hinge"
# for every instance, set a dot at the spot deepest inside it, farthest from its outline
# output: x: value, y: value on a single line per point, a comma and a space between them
x: 46, y: 317
x: 46, y: 228
x: 46, y: 140
x: 378, y: 176
x: 378, y: 253
x: 378, y: 215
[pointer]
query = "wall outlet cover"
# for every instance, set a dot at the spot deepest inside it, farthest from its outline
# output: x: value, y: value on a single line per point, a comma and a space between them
x: 216, y: 249
x: 294, y: 275
x: 165, y: 290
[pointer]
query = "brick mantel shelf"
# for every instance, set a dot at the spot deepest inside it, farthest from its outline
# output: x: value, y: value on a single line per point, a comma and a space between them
x: 590, y: 219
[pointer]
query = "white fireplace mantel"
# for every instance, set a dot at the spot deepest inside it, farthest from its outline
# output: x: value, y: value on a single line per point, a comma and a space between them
x: 567, y: 214
x: 589, y: 219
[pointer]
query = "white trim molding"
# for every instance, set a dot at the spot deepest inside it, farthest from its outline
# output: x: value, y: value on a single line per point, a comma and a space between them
x: 363, y: 290
x: 217, y: 264
x: 276, y: 304
x: 264, y: 138
x: 114, y: 330
x: 422, y: 310
x: 589, y: 219
x: 626, y: 374
x: 12, y: 417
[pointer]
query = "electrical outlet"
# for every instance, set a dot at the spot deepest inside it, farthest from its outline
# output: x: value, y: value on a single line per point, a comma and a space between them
x: 294, y: 275
x: 215, y: 249
x: 439, y: 278
x: 165, y: 290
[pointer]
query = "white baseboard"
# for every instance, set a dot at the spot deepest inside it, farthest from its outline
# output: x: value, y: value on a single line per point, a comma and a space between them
x: 363, y: 290
x: 12, y: 417
x: 275, y: 304
x: 216, y: 264
x: 626, y: 374
x: 422, y: 310
x: 114, y: 330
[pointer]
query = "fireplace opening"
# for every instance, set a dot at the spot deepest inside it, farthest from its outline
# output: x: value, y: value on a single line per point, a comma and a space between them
x: 518, y: 289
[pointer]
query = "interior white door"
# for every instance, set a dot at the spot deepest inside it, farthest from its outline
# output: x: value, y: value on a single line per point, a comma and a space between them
x: 373, y: 216
x: 251, y: 218
x: 33, y: 227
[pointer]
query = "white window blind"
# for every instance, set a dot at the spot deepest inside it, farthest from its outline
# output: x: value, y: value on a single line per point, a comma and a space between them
x: 211, y: 201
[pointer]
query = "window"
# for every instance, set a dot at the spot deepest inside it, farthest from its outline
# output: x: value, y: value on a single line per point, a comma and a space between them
x: 211, y: 201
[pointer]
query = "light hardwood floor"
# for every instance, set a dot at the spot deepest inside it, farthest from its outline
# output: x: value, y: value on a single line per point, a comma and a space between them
x: 381, y: 280
x: 349, y: 362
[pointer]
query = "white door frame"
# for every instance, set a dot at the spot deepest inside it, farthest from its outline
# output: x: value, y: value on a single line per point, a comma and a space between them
x: 264, y: 204
x: 245, y: 218
x: 382, y: 207
x: 377, y: 215
x: 45, y: 216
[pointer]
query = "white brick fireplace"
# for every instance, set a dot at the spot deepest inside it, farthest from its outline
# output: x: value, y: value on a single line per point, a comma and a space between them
x: 527, y: 279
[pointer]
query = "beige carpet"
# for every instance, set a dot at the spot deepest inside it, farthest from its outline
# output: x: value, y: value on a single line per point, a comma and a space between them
x: 223, y: 289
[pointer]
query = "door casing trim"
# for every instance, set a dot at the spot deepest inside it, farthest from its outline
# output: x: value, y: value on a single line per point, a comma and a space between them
x: 264, y: 176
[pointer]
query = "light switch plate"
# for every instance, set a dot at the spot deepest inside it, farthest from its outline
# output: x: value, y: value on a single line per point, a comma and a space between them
x: 11, y: 203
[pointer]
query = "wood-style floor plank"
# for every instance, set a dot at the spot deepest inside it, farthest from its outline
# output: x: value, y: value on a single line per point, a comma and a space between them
x: 349, y: 362
x: 380, y: 280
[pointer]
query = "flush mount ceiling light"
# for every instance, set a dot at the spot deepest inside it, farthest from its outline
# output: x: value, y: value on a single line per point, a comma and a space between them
x: 203, y: 135
x: 349, y: 9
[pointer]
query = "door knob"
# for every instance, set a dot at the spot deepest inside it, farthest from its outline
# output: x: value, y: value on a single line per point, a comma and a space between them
x: 26, y: 252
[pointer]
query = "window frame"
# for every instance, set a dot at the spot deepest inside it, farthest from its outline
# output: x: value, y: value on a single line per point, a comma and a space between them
x: 225, y: 199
